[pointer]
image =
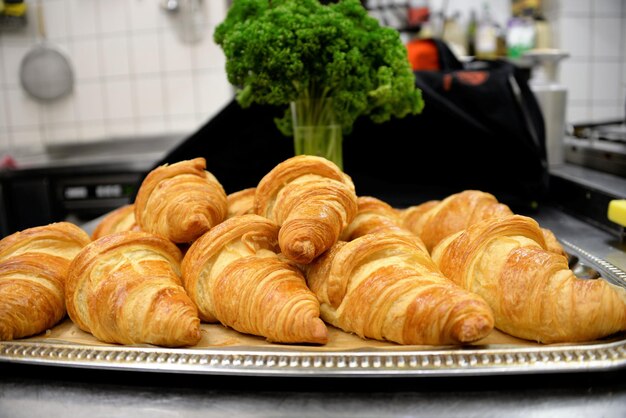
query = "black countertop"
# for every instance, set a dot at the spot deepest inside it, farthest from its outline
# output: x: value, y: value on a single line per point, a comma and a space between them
x: 29, y: 391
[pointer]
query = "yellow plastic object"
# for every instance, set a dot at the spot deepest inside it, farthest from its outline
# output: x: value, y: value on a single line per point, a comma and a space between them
x: 617, y: 211
x: 15, y: 9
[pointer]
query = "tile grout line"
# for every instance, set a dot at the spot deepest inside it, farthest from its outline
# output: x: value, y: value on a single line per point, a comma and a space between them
x: 162, y: 58
x: 195, y: 75
x: 132, y: 77
x: 77, y: 109
x: 591, y: 27
x: 6, y: 110
x: 159, y: 74
x: 100, y: 46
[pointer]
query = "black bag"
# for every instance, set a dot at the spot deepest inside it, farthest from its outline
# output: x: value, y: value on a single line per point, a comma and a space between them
x: 480, y: 129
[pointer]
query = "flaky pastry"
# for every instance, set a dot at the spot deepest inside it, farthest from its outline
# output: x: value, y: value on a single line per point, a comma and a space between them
x: 434, y: 220
x: 125, y: 288
x: 234, y: 276
x: 33, y: 271
x: 311, y: 200
x: 386, y: 287
x: 180, y: 201
x: 374, y: 216
x: 121, y: 219
x: 533, y: 293
x: 241, y: 202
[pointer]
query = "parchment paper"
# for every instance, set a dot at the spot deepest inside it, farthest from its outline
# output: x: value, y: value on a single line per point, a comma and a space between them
x: 218, y: 336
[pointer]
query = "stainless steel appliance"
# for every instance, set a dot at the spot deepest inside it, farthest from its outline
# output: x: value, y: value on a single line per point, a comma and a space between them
x: 77, y: 182
x: 601, y: 146
x: 551, y: 96
x: 594, y: 172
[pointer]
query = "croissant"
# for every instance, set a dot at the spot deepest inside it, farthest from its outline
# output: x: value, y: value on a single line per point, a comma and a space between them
x: 241, y: 202
x: 434, y: 220
x: 235, y: 277
x: 180, y: 201
x: 374, y: 216
x: 384, y: 286
x: 531, y: 290
x: 121, y: 219
x: 311, y: 200
x: 125, y: 288
x: 33, y: 270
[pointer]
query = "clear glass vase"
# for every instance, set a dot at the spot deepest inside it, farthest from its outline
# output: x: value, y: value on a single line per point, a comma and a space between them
x: 315, y: 131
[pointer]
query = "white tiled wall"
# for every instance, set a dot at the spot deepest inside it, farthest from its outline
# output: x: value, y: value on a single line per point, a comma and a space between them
x: 134, y: 76
x: 594, y: 33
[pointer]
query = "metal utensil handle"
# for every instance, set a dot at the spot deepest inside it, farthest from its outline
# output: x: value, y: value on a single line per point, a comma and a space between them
x: 41, y: 24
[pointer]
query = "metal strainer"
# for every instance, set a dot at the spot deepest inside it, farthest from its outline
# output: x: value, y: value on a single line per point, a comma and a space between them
x: 45, y: 72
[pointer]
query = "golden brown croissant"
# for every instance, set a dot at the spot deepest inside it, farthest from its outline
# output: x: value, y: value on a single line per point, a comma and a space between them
x: 384, y: 286
x: 125, y: 288
x: 531, y: 290
x: 33, y: 270
x: 241, y: 202
x: 434, y: 220
x: 374, y: 216
x: 180, y: 201
x: 121, y: 219
x: 311, y: 200
x: 235, y: 277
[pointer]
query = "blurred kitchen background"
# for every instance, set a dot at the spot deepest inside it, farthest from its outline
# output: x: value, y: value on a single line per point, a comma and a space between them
x: 141, y: 70
x: 146, y: 74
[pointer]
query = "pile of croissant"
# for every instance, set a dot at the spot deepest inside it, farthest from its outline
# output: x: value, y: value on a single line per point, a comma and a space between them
x: 297, y: 252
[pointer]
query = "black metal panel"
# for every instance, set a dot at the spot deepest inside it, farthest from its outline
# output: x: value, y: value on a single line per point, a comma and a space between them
x: 28, y: 203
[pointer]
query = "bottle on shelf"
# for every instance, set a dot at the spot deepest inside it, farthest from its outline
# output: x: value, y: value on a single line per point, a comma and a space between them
x: 520, y: 35
x: 454, y: 35
x: 486, y: 40
x: 471, y: 34
x: 543, y: 34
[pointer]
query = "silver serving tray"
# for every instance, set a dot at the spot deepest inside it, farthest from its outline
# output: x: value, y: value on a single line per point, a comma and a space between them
x: 397, y: 361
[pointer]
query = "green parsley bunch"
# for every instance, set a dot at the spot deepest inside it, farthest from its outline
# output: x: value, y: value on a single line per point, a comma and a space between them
x: 279, y: 51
